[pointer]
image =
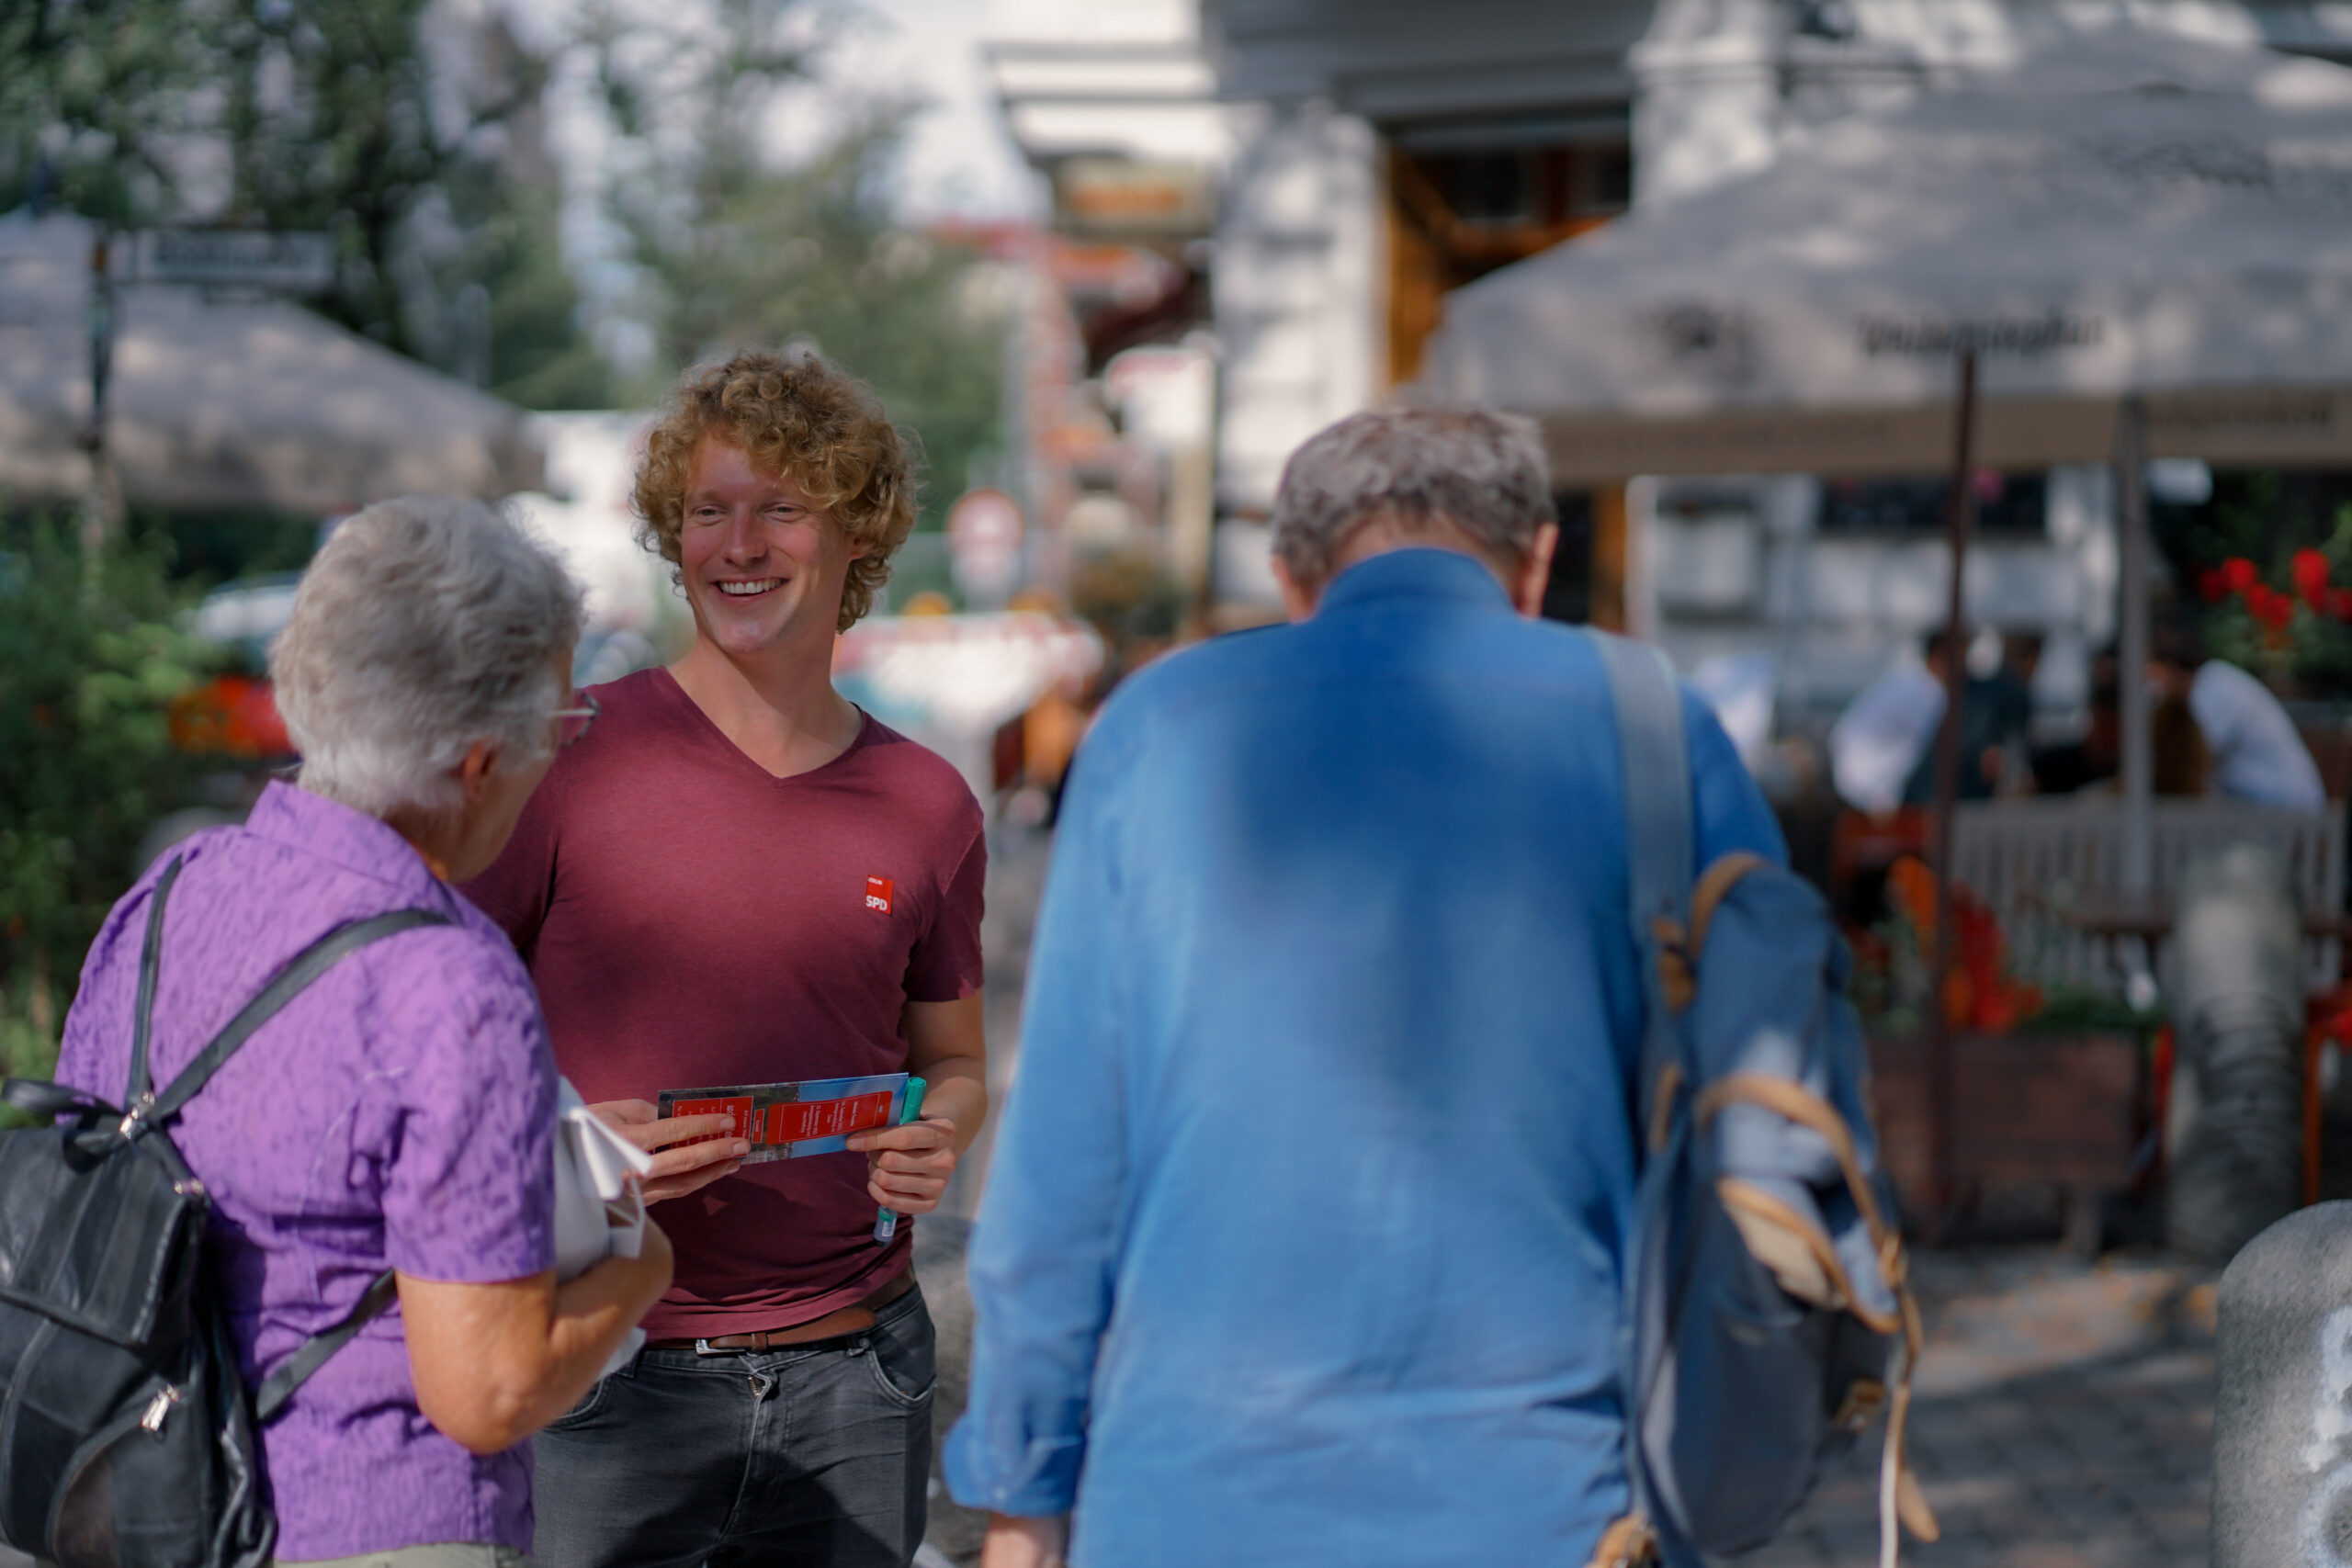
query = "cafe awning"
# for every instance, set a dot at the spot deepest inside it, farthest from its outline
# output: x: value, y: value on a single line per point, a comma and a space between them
x: 219, y: 402
x: 2121, y: 213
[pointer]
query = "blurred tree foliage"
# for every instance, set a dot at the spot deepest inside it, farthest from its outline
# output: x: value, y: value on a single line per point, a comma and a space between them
x: 324, y: 115
x: 93, y: 96
x: 90, y: 661
x: 735, y: 248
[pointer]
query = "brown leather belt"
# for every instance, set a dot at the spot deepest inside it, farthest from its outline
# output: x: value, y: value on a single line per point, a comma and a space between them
x: 855, y: 1318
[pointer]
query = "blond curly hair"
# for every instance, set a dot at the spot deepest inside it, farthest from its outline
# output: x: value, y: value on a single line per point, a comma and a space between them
x: 802, y: 417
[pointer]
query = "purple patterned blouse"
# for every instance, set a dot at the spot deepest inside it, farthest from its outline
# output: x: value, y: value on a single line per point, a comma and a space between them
x: 398, y: 1113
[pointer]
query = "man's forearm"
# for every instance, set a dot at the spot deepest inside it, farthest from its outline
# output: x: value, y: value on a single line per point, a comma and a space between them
x: 957, y: 1088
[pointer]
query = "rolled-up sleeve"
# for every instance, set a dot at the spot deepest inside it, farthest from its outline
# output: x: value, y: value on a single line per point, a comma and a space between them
x: 1045, y: 1254
x: 469, y: 1194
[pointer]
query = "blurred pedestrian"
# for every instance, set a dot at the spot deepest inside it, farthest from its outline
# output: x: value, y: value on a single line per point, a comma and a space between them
x: 1884, y: 732
x: 2094, y: 757
x: 741, y: 878
x: 2255, y: 754
x: 399, y: 1112
x: 1304, y: 1231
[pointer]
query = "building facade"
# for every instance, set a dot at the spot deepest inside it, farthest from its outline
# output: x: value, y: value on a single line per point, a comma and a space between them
x: 1370, y: 156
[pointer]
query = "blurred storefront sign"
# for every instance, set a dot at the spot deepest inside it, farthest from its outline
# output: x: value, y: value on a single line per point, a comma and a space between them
x: 1121, y: 198
x: 984, y: 536
x: 951, y: 682
x: 235, y: 258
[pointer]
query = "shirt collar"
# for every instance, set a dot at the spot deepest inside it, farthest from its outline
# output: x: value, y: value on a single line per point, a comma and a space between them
x: 1419, y: 573
x: 332, y: 831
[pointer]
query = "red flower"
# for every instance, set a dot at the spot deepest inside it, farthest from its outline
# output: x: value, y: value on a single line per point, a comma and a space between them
x: 2310, y: 572
x: 2339, y: 604
x: 2239, y: 573
x: 2212, y: 587
x: 2273, y: 609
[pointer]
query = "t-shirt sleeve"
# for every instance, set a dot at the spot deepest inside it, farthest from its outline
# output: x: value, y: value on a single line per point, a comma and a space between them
x: 515, y: 891
x: 945, y: 964
x: 470, y: 1195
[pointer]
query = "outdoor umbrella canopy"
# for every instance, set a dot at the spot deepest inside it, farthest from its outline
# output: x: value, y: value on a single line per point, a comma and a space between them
x: 225, y: 402
x: 2120, y: 213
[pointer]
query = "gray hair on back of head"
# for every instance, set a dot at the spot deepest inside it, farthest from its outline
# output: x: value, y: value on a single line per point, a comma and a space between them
x: 426, y: 623
x: 1480, y: 472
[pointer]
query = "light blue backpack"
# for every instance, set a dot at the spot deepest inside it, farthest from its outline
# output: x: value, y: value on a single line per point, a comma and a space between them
x: 1767, y: 1311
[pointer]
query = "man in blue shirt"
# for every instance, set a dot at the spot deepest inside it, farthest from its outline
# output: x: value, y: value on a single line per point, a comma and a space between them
x: 1303, y: 1238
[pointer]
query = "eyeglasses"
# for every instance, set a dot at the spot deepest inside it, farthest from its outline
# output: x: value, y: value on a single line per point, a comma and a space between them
x: 571, y: 722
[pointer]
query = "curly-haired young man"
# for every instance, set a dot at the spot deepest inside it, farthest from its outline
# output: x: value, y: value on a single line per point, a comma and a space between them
x: 738, y: 878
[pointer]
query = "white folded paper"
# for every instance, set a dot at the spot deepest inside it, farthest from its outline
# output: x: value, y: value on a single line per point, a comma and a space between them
x: 599, y: 1212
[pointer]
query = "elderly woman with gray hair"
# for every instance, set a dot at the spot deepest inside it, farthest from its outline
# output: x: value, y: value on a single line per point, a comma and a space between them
x: 396, y: 1113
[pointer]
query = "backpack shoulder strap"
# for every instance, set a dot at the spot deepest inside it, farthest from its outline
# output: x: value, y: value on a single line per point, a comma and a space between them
x: 312, y: 1353
x: 1658, y: 853
x: 290, y: 982
x: 150, y: 957
x: 308, y: 966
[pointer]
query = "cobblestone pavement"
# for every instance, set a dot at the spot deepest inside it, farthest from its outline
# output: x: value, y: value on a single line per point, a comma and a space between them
x: 2064, y: 1418
x: 2064, y: 1413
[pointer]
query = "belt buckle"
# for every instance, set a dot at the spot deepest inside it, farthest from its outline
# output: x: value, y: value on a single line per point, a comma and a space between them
x: 704, y: 1347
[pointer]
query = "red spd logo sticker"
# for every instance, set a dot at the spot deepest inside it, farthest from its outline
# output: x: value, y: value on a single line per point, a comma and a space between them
x: 878, y: 893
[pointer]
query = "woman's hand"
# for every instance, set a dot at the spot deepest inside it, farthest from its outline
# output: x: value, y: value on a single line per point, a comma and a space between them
x: 907, y: 1167
x: 681, y: 1164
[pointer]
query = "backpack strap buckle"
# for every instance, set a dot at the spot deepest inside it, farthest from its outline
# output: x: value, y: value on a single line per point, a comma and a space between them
x: 128, y: 1128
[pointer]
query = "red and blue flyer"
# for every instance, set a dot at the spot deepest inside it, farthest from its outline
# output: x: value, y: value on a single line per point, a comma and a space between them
x: 785, y: 1121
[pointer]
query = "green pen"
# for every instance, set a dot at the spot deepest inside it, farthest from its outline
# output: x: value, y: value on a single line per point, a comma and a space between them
x: 885, y: 1223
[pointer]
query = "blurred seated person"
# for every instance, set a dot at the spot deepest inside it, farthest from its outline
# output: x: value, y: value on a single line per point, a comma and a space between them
x: 1882, y: 748
x: 2256, y: 755
x: 1993, y: 712
x: 2184, y: 763
x: 2020, y: 662
x: 2097, y: 755
x: 2012, y: 697
x: 1886, y: 729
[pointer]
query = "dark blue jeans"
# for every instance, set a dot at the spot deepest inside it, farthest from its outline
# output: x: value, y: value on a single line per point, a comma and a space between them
x: 816, y: 1455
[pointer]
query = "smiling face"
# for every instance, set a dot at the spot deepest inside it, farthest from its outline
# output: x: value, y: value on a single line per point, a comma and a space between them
x: 763, y: 565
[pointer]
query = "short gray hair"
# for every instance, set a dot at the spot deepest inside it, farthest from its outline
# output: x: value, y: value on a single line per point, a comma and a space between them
x: 424, y: 624
x: 1479, y: 471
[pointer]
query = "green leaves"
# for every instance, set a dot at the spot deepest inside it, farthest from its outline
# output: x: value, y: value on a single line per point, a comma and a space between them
x: 96, y: 90
x: 90, y: 663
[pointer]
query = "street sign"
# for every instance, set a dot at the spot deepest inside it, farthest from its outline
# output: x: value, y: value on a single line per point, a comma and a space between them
x: 237, y: 258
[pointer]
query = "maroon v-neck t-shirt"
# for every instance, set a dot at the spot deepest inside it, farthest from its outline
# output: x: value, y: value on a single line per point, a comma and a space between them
x: 692, y: 920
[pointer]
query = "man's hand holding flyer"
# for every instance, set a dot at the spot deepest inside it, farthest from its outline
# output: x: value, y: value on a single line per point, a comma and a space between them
x: 785, y: 1121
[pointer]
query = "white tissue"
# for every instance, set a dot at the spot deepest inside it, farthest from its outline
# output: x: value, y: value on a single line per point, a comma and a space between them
x: 599, y: 1212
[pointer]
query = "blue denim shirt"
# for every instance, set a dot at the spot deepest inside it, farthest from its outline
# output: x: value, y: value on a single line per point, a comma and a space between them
x: 1301, y: 1238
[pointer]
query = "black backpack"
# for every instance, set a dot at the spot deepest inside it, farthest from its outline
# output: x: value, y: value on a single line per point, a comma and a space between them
x: 126, y: 1431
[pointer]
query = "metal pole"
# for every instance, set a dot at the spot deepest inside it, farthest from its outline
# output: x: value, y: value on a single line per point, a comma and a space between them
x: 98, y: 502
x: 2138, y: 867
x: 1941, y: 1074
